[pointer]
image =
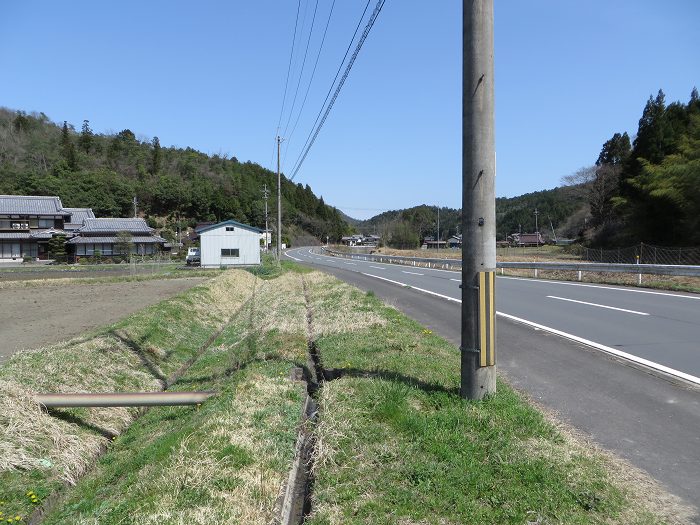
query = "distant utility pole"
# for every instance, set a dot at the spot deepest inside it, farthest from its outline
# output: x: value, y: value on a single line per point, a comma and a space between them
x: 438, y: 235
x: 279, y: 202
x: 537, y: 229
x: 266, y: 195
x: 136, y: 204
x: 478, y: 351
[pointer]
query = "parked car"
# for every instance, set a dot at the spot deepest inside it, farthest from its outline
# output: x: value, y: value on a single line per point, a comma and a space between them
x: 193, y: 258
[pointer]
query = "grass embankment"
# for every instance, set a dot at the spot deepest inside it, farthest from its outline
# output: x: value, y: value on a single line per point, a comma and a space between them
x: 394, y: 443
x: 41, y: 451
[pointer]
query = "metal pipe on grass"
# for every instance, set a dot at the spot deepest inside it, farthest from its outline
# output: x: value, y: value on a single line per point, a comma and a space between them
x: 131, y: 399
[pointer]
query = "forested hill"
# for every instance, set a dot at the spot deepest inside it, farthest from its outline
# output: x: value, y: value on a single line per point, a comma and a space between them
x: 558, y: 208
x: 105, y: 172
x: 641, y: 190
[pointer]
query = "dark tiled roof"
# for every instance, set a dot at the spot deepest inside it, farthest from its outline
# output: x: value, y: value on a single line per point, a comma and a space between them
x: 114, y: 225
x: 30, y: 235
x: 78, y: 215
x: 15, y: 235
x: 141, y: 239
x: 31, y: 205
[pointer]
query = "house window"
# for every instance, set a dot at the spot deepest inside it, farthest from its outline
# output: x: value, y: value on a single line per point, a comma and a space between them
x: 229, y: 228
x: 46, y: 223
x: 229, y: 252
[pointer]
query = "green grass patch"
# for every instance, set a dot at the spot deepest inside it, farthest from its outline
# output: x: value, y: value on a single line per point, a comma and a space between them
x: 397, y: 445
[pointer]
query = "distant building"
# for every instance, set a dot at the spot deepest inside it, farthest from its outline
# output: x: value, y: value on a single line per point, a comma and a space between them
x: 229, y: 243
x: 102, y: 236
x: 455, y: 241
x: 27, y: 223
x: 528, y: 239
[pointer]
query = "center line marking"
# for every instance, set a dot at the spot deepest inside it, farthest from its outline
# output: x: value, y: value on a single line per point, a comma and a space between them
x: 458, y: 280
x: 598, y: 305
x: 377, y: 267
x: 412, y: 273
x: 354, y: 264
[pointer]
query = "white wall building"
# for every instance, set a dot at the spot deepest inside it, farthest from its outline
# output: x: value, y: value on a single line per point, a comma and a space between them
x: 229, y: 243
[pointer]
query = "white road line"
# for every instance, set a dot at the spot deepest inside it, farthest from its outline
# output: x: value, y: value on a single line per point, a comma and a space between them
x: 619, y: 289
x: 447, y: 297
x: 607, y: 349
x: 412, y: 273
x: 354, y: 264
x: 377, y: 267
x: 595, y: 304
x: 619, y: 353
x: 457, y: 280
x: 292, y: 257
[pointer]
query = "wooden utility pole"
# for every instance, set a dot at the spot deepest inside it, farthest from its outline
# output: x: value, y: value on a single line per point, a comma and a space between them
x: 478, y: 355
x: 279, y: 203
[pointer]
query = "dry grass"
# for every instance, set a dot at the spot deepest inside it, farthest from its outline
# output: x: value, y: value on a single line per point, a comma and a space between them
x: 33, y: 440
x: 338, y: 307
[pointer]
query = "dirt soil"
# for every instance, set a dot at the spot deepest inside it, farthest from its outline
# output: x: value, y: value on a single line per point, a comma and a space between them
x: 40, y: 315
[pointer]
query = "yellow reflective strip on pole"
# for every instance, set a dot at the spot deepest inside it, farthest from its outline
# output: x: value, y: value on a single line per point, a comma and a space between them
x: 492, y: 318
x: 482, y: 318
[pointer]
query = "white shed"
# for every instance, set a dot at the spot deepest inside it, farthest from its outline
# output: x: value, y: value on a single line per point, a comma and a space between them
x: 229, y: 243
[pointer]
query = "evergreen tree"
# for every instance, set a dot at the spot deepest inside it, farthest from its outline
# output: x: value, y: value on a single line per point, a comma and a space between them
x: 156, y: 156
x: 57, y: 248
x: 694, y: 98
x: 68, y: 148
x: 650, y: 136
x: 85, y: 139
x: 616, y: 150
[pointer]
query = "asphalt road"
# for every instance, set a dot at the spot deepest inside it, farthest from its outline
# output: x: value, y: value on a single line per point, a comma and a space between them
x: 639, y: 412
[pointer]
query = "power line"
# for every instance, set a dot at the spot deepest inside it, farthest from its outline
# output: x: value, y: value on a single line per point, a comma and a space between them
x: 330, y: 89
x: 361, y: 41
x: 311, y: 79
x: 289, y: 68
x: 301, y: 72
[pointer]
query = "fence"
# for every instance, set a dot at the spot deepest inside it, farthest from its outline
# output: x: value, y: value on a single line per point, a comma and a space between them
x: 647, y: 254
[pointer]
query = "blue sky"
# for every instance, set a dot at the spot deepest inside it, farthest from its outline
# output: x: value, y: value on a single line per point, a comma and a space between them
x: 211, y: 75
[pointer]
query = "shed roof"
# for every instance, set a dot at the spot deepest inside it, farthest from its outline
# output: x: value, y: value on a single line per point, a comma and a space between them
x: 230, y: 222
x: 113, y: 225
x: 31, y: 205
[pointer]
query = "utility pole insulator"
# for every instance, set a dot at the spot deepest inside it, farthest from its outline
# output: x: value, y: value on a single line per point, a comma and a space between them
x: 478, y: 348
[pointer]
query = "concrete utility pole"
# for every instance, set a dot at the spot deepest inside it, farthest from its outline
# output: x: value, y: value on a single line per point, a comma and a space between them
x: 266, y: 195
x: 478, y: 197
x: 279, y: 203
x: 136, y: 204
x: 537, y: 228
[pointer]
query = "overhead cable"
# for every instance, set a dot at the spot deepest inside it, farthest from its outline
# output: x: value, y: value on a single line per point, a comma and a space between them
x: 368, y: 28
x: 311, y: 79
x: 286, y: 82
x: 330, y: 89
x: 301, y: 72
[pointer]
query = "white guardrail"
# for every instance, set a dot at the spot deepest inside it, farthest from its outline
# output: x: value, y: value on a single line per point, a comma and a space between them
x: 456, y: 264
